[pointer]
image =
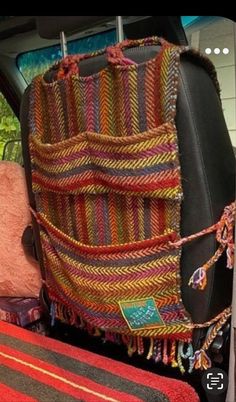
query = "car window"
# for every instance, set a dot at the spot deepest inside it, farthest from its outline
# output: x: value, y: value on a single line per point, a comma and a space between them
x: 36, y: 62
x: 10, y: 144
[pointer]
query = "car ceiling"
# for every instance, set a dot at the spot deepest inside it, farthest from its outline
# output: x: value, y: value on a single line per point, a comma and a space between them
x: 19, y: 34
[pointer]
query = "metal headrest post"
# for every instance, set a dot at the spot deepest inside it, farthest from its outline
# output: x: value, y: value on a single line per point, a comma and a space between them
x: 119, y: 29
x: 63, y: 42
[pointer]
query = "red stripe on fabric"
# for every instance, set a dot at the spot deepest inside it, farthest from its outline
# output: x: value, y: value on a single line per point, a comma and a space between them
x: 9, y: 394
x: 122, y: 184
x: 59, y: 384
x: 166, y: 385
x: 162, y: 216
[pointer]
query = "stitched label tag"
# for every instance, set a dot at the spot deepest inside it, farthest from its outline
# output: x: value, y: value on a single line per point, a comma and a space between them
x: 141, y: 314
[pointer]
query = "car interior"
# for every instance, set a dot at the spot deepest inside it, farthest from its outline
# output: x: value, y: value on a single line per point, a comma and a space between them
x: 205, y: 123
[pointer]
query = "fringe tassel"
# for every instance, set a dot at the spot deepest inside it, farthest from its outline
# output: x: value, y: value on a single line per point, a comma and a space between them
x: 199, y: 279
x: 52, y: 314
x: 224, y: 236
x: 97, y: 332
x: 173, y: 361
x: 132, y: 346
x: 179, y: 359
x: 150, y: 352
x: 140, y: 345
x: 201, y: 360
x: 158, y: 355
x: 168, y: 351
x: 165, y: 355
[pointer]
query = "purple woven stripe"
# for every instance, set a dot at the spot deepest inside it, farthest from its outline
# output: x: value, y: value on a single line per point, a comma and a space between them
x: 171, y: 308
x: 168, y: 311
x: 162, y: 167
x: 142, y: 98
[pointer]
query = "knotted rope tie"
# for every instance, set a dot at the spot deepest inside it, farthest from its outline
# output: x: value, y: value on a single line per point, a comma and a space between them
x: 224, y: 236
x: 200, y: 360
x: 68, y: 66
x: 115, y: 56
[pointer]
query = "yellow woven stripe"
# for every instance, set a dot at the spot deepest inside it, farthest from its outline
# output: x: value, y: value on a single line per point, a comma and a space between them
x: 173, y: 193
x: 64, y: 148
x: 111, y: 290
x: 77, y: 144
x: 105, y: 298
x: 169, y: 329
x: 108, y: 163
x: 100, y: 270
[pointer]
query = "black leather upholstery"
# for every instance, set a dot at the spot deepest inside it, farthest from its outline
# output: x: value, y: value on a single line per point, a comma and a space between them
x: 166, y: 27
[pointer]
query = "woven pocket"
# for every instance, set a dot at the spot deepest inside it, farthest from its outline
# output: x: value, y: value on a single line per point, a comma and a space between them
x: 126, y: 288
x: 144, y: 165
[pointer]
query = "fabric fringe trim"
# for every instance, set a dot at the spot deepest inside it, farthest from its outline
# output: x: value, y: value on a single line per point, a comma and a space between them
x: 179, y: 354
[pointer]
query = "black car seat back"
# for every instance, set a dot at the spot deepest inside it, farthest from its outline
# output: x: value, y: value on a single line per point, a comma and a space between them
x: 206, y: 158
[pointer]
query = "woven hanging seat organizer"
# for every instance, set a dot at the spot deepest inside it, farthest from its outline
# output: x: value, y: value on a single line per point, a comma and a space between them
x: 107, y: 182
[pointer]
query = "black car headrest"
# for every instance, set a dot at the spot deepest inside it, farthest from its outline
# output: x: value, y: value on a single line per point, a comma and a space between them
x: 49, y: 27
x: 167, y: 27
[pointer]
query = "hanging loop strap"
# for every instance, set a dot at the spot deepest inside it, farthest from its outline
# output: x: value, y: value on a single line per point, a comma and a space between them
x: 114, y: 55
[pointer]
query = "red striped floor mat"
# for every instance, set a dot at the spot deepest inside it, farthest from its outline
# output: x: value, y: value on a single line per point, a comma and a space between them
x: 36, y: 368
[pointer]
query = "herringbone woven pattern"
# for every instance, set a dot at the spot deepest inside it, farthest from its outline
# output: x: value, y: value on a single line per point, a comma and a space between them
x: 106, y: 175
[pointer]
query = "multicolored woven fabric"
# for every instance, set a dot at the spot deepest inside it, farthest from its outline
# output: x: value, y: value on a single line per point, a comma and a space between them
x: 106, y: 176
